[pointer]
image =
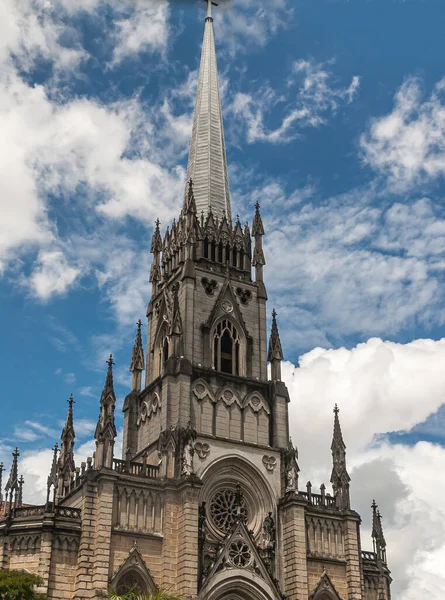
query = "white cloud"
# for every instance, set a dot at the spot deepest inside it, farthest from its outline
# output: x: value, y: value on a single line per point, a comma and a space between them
x: 246, y: 23
x: 144, y: 28
x: 408, y: 145
x: 86, y: 390
x: 352, y: 260
x: 78, y: 148
x: 52, y: 275
x: 315, y: 98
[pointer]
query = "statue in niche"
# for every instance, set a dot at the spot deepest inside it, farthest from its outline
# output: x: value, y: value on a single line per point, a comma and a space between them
x: 269, y: 532
x: 291, y: 468
x: 188, y: 436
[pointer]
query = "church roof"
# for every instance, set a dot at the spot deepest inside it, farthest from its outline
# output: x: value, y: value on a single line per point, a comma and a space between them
x: 207, y: 164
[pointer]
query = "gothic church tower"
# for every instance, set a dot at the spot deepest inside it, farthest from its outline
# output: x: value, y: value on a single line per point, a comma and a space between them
x: 205, y: 500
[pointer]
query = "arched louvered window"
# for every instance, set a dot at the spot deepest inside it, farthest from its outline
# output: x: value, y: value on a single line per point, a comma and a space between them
x: 226, y: 348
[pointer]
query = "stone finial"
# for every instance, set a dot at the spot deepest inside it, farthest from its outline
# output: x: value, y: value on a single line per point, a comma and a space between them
x: 137, y: 363
x: 20, y: 491
x: 257, y: 225
x: 11, y: 487
x: 52, y: 480
x: 106, y: 433
x: 275, y: 354
x: 156, y: 240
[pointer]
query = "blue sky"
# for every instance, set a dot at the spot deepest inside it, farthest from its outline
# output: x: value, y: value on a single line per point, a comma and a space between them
x: 334, y: 116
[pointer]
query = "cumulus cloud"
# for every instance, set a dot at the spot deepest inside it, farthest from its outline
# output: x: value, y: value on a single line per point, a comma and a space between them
x: 380, y: 387
x: 407, y: 146
x: 317, y: 96
x: 52, y: 275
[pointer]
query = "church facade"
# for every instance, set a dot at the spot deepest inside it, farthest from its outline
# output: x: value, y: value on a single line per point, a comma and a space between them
x: 206, y: 499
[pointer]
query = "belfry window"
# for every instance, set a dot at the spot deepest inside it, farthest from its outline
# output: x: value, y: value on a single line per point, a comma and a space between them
x: 226, y: 348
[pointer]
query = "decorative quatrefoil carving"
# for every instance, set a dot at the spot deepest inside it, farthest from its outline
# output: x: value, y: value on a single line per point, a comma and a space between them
x: 269, y: 462
x: 209, y: 285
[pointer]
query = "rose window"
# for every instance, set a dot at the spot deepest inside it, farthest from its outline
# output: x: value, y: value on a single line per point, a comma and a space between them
x: 239, y: 554
x: 224, y: 509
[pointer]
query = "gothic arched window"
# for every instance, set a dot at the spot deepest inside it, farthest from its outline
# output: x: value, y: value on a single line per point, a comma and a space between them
x: 226, y: 348
x: 131, y: 581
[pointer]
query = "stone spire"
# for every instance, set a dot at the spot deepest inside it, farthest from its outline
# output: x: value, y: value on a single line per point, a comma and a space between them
x: 207, y: 164
x: 106, y: 429
x: 66, y: 464
x: 258, y: 255
x: 339, y: 477
x: 137, y: 363
x: 53, y: 477
x: 275, y: 355
x: 12, y: 485
x: 377, y: 534
x: 156, y: 249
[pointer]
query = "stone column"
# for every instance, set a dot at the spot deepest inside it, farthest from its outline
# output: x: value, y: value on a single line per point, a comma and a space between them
x: 171, y: 541
x: 102, y: 536
x: 353, y: 557
x: 84, y: 571
x: 188, y: 539
x: 294, y: 558
x: 46, y: 543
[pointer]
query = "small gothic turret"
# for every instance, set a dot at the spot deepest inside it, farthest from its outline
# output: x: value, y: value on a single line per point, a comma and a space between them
x: 66, y: 459
x: 137, y: 363
x: 20, y: 491
x: 156, y: 249
x: 339, y: 477
x: 12, y: 485
x: 275, y: 355
x: 377, y: 534
x: 52, y: 481
x: 258, y: 255
x: 106, y: 429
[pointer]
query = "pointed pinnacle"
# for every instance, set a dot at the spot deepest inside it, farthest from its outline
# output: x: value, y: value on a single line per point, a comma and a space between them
x: 275, y: 349
x: 137, y: 354
x: 109, y: 379
x: 257, y: 225
x: 71, y: 401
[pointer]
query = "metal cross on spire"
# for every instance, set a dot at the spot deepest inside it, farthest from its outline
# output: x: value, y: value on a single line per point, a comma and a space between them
x: 209, y: 7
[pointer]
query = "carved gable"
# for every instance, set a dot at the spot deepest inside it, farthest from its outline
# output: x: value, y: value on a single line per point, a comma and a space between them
x: 239, y: 552
x: 133, y: 572
x: 227, y: 306
x: 325, y: 589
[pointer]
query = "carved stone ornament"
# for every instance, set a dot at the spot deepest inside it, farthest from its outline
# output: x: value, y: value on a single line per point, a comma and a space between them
x: 244, y: 295
x: 202, y: 450
x: 209, y: 285
x: 227, y: 306
x: 269, y: 462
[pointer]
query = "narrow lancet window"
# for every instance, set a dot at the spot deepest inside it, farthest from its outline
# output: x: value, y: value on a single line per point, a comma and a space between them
x: 226, y: 348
